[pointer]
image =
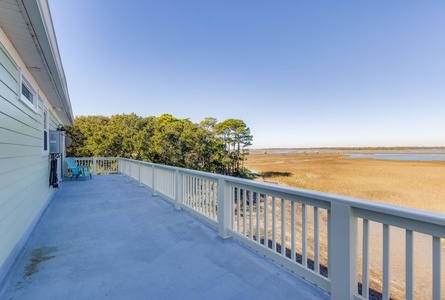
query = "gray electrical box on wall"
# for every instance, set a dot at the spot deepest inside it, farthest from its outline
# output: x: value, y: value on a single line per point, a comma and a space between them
x: 56, y: 141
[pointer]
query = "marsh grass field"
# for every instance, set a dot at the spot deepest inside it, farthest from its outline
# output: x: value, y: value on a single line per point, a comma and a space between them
x: 414, y: 184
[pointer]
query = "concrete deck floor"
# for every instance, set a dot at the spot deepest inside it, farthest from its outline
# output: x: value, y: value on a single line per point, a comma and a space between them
x: 107, y: 238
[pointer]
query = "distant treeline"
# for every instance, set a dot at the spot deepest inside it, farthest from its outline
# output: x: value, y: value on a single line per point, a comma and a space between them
x: 218, y: 147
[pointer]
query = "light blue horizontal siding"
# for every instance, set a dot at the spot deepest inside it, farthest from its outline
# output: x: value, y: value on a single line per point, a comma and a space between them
x: 13, y: 186
x: 5, y: 90
x: 18, y: 126
x: 18, y: 164
x: 53, y: 123
x: 17, y: 226
x: 14, y: 137
x: 9, y: 151
x: 24, y: 171
x: 8, y: 84
x: 22, y: 199
x: 17, y: 110
x: 8, y: 62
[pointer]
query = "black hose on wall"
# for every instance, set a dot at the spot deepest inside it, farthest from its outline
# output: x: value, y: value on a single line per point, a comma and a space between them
x: 53, y: 173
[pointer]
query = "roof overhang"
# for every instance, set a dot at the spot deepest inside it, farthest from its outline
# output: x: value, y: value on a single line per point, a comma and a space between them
x: 29, y: 27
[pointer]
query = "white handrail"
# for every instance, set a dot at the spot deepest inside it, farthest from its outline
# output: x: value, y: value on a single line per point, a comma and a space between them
x: 276, y: 221
x: 99, y: 165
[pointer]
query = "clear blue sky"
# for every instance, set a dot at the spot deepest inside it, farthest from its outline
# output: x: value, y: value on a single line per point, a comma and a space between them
x: 299, y: 73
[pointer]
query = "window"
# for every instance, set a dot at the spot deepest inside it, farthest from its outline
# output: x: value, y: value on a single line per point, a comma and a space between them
x: 27, y: 93
x: 45, y: 148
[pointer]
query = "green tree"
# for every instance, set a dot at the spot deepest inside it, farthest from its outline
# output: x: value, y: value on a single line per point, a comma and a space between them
x: 236, y: 138
x: 88, y: 136
x: 123, y: 136
x: 208, y: 146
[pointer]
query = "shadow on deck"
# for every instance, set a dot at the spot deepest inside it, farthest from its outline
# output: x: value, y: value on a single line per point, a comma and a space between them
x: 108, y: 238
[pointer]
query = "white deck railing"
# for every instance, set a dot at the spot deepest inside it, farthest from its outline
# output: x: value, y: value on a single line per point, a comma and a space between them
x: 323, y: 238
x: 98, y: 165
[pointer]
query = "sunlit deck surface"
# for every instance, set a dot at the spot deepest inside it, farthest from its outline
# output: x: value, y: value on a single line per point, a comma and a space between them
x: 107, y: 238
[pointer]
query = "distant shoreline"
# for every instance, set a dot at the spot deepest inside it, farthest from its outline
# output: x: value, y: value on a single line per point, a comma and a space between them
x: 349, y: 150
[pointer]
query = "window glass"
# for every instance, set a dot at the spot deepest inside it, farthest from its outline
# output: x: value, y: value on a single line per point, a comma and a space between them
x: 27, y: 93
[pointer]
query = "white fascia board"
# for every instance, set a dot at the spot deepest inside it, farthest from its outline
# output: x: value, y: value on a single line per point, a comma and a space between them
x: 39, y: 16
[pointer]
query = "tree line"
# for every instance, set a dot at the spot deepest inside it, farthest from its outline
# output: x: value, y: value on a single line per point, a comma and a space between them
x: 212, y: 146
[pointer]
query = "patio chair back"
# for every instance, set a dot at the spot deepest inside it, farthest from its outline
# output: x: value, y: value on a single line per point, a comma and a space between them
x: 78, y: 170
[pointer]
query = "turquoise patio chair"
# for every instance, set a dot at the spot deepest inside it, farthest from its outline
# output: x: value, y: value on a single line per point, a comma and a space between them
x: 78, y: 170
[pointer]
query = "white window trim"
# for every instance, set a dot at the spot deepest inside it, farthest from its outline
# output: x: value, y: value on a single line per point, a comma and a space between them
x: 24, y: 81
x: 45, y: 127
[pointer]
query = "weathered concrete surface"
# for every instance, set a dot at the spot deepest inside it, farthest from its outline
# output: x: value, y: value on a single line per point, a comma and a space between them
x: 106, y: 238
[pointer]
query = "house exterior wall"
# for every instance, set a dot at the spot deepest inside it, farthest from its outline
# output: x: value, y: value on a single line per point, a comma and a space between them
x: 24, y: 167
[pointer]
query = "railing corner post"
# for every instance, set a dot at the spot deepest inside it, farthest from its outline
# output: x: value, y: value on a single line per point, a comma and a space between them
x: 94, y: 166
x: 130, y: 169
x: 178, y: 189
x: 343, y: 259
x: 153, y: 180
x: 139, y: 174
x: 224, y: 209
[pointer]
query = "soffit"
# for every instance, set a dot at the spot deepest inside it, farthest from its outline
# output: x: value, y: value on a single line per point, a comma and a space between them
x: 24, y: 24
